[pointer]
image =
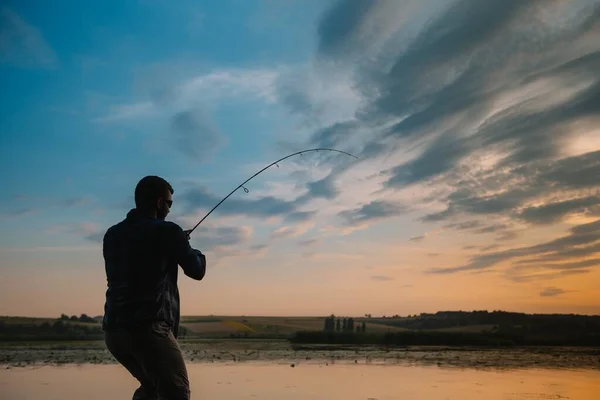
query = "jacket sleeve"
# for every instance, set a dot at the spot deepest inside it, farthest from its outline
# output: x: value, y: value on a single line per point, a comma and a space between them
x: 192, y: 261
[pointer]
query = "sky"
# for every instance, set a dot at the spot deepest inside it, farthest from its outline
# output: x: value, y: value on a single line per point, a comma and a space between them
x: 476, y: 126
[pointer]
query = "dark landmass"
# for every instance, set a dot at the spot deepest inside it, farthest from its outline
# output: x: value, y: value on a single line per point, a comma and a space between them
x: 446, y: 328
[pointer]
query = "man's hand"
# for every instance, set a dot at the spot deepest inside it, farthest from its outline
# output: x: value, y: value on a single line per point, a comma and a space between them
x: 188, y: 233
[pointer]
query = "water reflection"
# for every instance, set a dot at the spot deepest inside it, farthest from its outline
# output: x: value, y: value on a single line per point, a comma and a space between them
x: 308, y: 381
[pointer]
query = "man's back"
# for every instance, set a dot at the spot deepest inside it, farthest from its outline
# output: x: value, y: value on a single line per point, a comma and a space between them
x: 141, y: 256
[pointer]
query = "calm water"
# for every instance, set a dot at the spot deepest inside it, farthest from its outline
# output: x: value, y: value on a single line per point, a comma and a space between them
x: 324, y: 382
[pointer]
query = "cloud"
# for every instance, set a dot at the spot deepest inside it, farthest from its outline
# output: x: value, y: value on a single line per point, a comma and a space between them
x: 221, y: 238
x: 268, y: 206
x: 584, y: 236
x: 308, y: 242
x: 22, y: 44
x: 551, y: 292
x: 553, y: 212
x: 382, y: 278
x: 195, y: 135
x: 324, y: 188
x: 417, y: 238
x: 508, y: 80
x: 88, y: 230
x: 208, y: 88
x: 124, y: 112
x: 333, y: 135
x: 373, y: 211
x: 300, y: 216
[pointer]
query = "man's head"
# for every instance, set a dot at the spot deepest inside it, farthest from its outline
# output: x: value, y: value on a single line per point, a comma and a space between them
x: 153, y: 196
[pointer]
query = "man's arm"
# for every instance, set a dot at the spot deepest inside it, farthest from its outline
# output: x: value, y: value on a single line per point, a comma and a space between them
x: 192, y: 261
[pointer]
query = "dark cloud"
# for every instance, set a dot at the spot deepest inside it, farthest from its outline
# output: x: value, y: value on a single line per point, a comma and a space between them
x: 372, y: 211
x: 489, y: 247
x: 521, y: 278
x: 195, y: 136
x: 466, y: 225
x: 338, y: 27
x: 579, y: 236
x: 563, y: 254
x: 440, y: 156
x: 300, y: 216
x: 445, y: 83
x: 200, y: 198
x: 488, y: 96
x: 507, y: 236
x: 292, y: 91
x: 382, y: 278
x: 417, y: 239
x: 551, y: 292
x: 477, y: 227
x: 535, y: 179
x: 553, y: 212
x: 324, y: 188
x: 333, y: 135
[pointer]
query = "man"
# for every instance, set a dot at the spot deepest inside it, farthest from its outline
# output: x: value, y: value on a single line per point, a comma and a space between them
x: 141, y: 312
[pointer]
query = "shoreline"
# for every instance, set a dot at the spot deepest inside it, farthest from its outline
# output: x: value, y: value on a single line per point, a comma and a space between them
x: 24, y: 354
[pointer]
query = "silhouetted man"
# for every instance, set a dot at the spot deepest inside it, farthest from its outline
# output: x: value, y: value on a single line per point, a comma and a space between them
x: 141, y: 313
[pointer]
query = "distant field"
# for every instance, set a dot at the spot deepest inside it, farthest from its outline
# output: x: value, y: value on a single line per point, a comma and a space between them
x: 469, y: 328
x: 39, y: 321
x: 264, y: 326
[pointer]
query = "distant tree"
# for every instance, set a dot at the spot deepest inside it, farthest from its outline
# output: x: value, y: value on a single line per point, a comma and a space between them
x: 329, y: 323
x: 59, y: 326
x: 64, y: 317
x: 86, y: 318
x: 74, y: 318
x: 350, y: 324
x: 338, y: 325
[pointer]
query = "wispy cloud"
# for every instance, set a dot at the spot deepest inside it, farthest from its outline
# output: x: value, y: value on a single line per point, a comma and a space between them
x: 551, y: 292
x: 22, y: 44
x: 581, y: 238
x: 201, y: 89
x: 195, y: 135
x: 373, y: 211
x: 89, y: 230
x: 382, y: 278
x: 478, y: 113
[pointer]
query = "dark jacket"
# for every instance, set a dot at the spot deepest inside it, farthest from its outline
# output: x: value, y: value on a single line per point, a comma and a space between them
x: 141, y: 256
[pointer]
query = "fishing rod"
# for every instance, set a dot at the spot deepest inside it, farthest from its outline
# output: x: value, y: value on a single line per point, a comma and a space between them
x: 189, y: 232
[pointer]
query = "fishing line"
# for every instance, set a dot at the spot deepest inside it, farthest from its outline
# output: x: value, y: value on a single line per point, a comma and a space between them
x: 242, y: 185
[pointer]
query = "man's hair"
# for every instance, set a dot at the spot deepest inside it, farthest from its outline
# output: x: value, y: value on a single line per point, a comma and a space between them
x: 149, y: 189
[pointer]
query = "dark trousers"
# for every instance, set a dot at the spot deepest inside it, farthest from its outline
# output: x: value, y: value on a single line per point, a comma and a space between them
x: 152, y: 355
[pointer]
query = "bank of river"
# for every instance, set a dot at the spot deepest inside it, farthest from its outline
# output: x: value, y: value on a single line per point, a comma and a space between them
x: 16, y: 355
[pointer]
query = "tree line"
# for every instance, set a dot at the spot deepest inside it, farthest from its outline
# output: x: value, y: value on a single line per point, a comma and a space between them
x: 333, y: 324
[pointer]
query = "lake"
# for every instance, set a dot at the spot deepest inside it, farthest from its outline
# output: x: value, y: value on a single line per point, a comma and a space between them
x: 309, y: 380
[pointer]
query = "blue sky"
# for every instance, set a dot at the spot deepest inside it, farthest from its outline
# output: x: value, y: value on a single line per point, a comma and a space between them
x: 477, y: 136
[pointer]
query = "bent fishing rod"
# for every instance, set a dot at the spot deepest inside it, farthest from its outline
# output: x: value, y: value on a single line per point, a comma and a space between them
x: 189, y: 232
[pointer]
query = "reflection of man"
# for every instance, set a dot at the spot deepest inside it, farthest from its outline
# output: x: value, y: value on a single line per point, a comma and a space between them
x: 141, y: 313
